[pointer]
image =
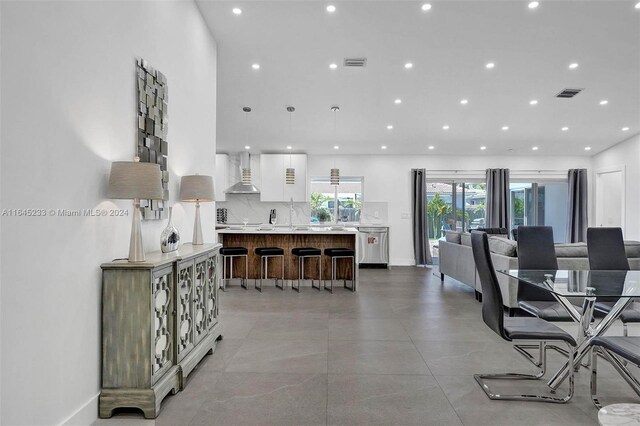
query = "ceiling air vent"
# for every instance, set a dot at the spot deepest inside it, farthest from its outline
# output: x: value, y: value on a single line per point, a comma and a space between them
x: 355, y: 62
x: 568, y: 93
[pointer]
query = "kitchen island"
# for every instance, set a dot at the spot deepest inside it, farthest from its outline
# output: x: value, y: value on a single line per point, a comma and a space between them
x: 287, y: 237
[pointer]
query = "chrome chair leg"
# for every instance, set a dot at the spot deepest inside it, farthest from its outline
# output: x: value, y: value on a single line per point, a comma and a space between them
x: 353, y: 274
x: 333, y: 274
x: 300, y: 272
x: 523, y: 349
x: 281, y: 286
x: 618, y: 365
x: 224, y: 274
x: 243, y: 283
x: 319, y: 274
x: 483, y: 378
x: 262, y: 274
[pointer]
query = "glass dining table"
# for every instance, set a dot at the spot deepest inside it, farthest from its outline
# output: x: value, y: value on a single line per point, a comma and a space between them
x: 567, y: 285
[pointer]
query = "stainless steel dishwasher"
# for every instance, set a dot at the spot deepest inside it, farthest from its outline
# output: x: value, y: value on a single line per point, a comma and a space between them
x: 373, y: 246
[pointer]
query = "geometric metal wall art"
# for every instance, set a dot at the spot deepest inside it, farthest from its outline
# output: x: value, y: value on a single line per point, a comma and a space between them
x: 153, y: 95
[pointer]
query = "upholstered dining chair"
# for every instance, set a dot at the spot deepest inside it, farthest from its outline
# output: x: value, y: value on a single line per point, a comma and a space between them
x: 606, y: 252
x: 536, y: 251
x: 514, y: 329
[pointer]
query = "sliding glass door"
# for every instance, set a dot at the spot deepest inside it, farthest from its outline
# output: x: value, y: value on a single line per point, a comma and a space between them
x: 457, y: 206
x: 541, y: 204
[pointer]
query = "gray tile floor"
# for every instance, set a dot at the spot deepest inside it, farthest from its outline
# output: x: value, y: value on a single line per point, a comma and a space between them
x: 402, y: 350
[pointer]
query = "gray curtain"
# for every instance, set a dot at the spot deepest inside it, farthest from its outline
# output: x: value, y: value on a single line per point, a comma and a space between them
x: 497, y: 207
x: 577, y: 216
x: 421, y: 249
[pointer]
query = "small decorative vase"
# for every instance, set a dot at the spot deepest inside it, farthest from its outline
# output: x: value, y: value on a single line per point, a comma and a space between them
x: 170, y: 238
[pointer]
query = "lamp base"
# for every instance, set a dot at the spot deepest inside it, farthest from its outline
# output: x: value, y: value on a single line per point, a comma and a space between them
x: 197, y: 228
x: 136, y: 249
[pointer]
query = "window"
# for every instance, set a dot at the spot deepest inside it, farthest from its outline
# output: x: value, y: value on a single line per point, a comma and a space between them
x: 541, y: 204
x: 336, y: 203
x: 458, y: 206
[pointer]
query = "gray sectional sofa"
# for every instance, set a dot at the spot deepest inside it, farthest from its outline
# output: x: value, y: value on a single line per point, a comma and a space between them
x: 456, y: 260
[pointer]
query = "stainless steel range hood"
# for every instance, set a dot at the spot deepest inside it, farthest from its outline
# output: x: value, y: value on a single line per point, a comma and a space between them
x: 244, y: 186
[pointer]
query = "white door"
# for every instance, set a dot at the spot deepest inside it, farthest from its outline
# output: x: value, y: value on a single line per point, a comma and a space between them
x: 610, y: 202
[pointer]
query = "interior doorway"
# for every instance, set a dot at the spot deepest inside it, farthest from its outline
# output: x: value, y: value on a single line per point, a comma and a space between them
x: 610, y: 197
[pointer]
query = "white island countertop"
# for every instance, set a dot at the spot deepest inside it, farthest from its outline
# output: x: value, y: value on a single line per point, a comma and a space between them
x: 322, y: 230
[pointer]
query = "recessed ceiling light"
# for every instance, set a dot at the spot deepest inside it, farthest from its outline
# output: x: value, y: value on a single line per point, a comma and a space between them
x: 587, y: 148
x: 533, y: 102
x: 336, y: 147
x: 565, y: 128
x: 533, y: 4
x: 389, y: 127
x: 625, y: 129
x: 464, y: 101
x: 483, y: 148
x: 383, y: 147
x: 604, y: 102
x: 408, y: 65
x: 431, y: 147
x: 331, y: 8
x: 445, y: 127
x: 333, y: 66
x: 289, y: 147
x: 247, y: 147
x: 237, y: 11
x: 573, y: 66
x: 490, y: 65
x: 255, y: 66
x: 397, y: 101
x: 534, y: 148
x: 427, y: 6
x: 505, y: 128
x: 638, y: 5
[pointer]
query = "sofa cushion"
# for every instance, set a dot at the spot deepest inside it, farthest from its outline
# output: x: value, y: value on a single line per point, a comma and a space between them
x: 452, y: 237
x: 571, y: 250
x: 503, y: 246
x: 465, y: 239
x: 632, y: 248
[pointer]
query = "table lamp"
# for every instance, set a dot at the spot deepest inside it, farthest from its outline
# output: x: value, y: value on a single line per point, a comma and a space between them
x: 196, y: 189
x: 132, y: 180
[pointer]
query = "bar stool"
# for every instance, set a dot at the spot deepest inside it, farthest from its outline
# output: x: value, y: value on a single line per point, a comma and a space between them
x: 265, y: 253
x: 341, y: 253
x: 304, y: 253
x: 231, y: 252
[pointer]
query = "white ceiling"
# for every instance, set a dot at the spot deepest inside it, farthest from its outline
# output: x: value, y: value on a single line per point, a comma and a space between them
x: 295, y: 41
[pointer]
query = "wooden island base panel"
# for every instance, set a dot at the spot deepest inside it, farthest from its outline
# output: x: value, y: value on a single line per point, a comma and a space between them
x: 287, y: 241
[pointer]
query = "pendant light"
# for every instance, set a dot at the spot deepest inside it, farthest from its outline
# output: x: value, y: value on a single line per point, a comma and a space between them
x: 290, y: 173
x: 335, y: 172
x: 246, y: 171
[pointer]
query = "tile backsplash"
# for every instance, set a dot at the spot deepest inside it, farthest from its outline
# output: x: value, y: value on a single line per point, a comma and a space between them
x: 375, y: 212
x: 249, y: 206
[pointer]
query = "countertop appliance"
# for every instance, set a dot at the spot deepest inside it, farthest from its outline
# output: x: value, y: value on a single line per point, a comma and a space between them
x: 373, y: 246
x: 221, y: 215
x: 273, y: 217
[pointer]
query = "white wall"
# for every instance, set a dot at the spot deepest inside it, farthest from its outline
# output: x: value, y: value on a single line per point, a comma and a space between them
x: 68, y: 111
x: 388, y: 178
x: 625, y: 155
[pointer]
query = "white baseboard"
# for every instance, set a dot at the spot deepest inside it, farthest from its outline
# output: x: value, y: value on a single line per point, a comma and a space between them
x: 86, y: 415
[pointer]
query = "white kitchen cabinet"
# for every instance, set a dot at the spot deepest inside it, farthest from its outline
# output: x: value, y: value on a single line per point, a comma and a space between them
x: 272, y: 171
x: 222, y: 176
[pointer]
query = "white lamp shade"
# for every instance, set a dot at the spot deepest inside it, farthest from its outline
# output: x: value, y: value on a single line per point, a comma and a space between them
x: 131, y: 179
x: 196, y: 188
